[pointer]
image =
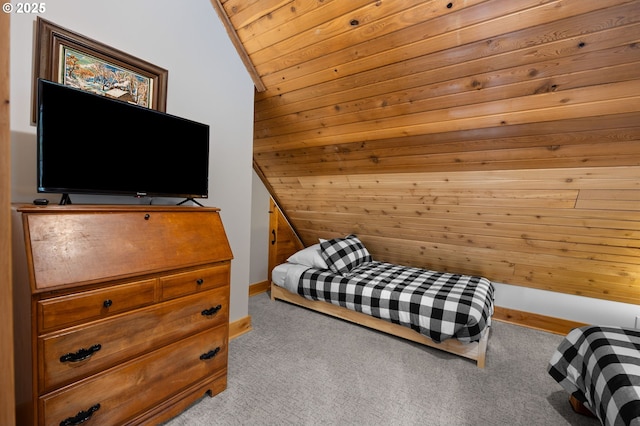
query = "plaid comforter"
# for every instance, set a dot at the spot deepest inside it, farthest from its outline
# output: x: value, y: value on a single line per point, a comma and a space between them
x: 436, y: 304
x: 600, y: 367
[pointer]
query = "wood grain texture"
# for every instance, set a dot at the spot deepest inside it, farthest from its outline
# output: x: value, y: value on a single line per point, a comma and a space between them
x: 123, y: 344
x: 135, y: 387
x: 7, y: 402
x: 86, y: 240
x: 539, y: 322
x: 283, y: 239
x: 130, y: 334
x: 492, y: 137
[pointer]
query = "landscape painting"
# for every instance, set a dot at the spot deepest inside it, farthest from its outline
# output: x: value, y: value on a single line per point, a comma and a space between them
x: 69, y: 58
x: 86, y: 72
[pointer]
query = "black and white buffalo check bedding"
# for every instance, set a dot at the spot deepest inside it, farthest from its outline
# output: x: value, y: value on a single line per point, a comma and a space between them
x: 600, y: 367
x: 436, y: 304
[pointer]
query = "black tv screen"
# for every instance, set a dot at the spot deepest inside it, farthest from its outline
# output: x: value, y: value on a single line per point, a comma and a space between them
x: 91, y: 144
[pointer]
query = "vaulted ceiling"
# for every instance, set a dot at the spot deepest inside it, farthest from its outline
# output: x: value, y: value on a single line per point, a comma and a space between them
x: 494, y: 137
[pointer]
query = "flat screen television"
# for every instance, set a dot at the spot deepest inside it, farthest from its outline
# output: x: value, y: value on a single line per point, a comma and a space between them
x: 92, y: 144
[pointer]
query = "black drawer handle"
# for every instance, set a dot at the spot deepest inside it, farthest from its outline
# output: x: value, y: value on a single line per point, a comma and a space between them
x: 81, y: 354
x: 200, y: 281
x: 107, y: 303
x: 81, y: 417
x: 211, y: 311
x: 210, y: 354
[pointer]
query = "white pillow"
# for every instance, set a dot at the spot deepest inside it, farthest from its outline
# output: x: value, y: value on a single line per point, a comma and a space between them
x: 309, y: 256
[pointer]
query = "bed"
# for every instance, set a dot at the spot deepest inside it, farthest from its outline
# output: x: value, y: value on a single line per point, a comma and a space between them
x: 338, y: 277
x: 600, y: 368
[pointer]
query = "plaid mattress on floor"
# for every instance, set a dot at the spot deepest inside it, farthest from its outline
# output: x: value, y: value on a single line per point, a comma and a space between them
x: 600, y: 367
x: 436, y: 304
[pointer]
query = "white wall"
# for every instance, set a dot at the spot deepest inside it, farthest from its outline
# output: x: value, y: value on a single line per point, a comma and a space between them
x: 575, y: 308
x: 259, y: 232
x: 207, y: 83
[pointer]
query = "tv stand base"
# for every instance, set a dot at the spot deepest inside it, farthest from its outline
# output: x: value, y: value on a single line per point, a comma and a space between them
x: 65, y: 199
x: 189, y: 199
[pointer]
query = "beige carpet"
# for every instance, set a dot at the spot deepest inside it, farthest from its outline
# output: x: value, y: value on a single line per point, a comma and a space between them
x: 299, y: 367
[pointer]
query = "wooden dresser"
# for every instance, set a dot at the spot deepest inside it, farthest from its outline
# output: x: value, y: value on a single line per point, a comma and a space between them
x: 121, y: 312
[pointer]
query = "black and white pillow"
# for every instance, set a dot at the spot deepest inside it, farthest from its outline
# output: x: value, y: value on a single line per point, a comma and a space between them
x: 344, y: 254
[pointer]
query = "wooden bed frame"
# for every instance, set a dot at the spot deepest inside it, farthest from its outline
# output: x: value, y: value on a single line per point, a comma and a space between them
x: 285, y: 242
x: 475, y: 350
x: 580, y: 408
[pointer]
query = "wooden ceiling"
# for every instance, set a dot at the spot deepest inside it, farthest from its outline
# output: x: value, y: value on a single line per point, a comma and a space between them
x: 495, y: 137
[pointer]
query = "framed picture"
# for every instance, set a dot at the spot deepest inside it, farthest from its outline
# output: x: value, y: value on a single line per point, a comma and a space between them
x: 66, y: 57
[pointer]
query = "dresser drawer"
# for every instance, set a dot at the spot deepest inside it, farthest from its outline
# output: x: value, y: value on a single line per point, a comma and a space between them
x: 78, y: 352
x: 91, y: 305
x: 114, y: 306
x: 194, y: 281
x: 129, y: 389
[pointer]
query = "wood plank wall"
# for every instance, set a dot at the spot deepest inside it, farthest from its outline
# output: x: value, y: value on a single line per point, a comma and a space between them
x: 492, y: 137
x: 283, y: 242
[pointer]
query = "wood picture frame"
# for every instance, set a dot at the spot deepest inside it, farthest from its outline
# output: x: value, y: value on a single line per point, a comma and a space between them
x: 69, y: 58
